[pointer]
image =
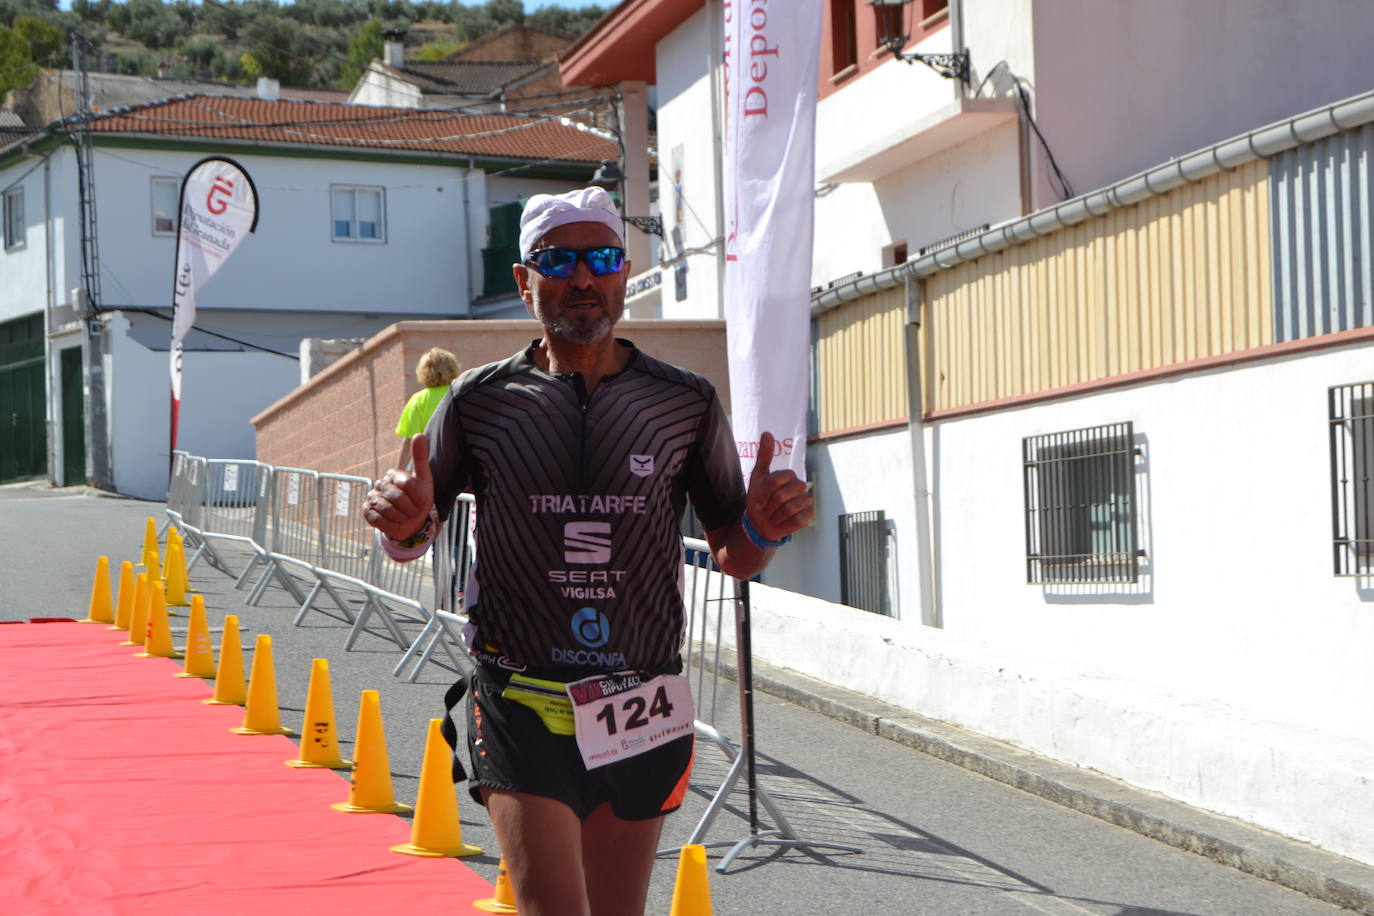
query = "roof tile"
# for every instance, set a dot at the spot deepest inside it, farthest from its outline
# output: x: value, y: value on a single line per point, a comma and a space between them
x: 366, y: 126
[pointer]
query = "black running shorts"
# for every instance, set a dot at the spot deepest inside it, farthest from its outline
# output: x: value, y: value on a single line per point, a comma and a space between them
x: 512, y: 750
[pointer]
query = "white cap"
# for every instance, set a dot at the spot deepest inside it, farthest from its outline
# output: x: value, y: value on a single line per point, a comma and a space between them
x: 545, y: 212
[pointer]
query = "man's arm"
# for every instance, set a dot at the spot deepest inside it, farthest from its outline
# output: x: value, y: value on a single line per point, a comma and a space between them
x: 399, y: 504
x: 776, y: 506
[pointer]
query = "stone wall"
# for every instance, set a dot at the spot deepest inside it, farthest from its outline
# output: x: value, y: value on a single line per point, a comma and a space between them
x: 343, y: 420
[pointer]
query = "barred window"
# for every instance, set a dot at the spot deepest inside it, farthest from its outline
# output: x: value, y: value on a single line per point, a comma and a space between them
x: 867, y: 562
x: 1352, y: 477
x: 1081, y: 506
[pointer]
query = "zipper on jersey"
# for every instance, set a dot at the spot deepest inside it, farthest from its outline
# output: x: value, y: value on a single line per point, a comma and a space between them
x: 584, y: 400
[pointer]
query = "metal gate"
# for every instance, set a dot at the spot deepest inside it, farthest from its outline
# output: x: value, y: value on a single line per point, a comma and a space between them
x: 23, y: 443
x: 865, y: 553
x: 73, y: 418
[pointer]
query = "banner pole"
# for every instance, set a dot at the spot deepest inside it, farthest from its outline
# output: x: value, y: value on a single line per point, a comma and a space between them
x: 745, y: 664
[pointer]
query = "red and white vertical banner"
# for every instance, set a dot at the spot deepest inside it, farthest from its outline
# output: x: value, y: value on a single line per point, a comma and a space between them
x: 771, y: 58
x: 218, y: 208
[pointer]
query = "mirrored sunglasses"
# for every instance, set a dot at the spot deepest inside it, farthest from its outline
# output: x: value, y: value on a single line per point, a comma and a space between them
x: 561, y: 262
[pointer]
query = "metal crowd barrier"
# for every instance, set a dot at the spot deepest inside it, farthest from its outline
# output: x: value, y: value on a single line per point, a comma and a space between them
x: 304, y: 532
x: 306, y: 527
x: 454, y: 554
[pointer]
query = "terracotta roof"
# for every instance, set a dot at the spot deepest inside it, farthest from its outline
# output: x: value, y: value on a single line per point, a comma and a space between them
x: 501, y: 32
x: 365, y: 126
x: 467, y: 77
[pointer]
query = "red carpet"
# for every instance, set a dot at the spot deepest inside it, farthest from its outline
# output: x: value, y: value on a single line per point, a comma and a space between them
x: 120, y: 792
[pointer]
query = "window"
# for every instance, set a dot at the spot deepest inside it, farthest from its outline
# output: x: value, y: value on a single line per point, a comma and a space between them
x: 866, y: 558
x: 1081, y: 506
x: 166, y: 197
x: 1352, y: 478
x: 14, y: 218
x: 359, y: 214
x: 844, y: 37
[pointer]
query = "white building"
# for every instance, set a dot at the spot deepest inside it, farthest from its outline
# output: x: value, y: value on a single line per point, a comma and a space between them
x: 1097, y: 442
x: 367, y: 216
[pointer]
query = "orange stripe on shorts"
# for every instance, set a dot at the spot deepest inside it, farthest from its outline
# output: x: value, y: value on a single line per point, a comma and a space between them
x: 680, y: 790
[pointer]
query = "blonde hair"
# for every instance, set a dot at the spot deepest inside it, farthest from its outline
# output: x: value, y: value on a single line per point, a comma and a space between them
x: 437, y: 367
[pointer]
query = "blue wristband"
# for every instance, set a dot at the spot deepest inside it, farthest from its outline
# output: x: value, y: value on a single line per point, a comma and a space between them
x: 758, y: 540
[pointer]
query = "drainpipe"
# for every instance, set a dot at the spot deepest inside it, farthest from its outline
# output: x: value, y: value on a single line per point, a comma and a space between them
x: 49, y: 413
x: 467, y: 234
x: 715, y: 27
x: 923, y: 497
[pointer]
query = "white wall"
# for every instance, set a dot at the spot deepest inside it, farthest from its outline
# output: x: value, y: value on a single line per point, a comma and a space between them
x: 23, y: 283
x: 1240, y: 604
x: 1123, y: 87
x: 858, y: 474
x: 221, y: 391
x: 684, y: 119
x: 291, y: 263
x: 379, y: 88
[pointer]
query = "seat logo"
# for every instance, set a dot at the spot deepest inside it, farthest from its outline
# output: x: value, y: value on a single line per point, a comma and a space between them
x: 587, y: 542
x: 591, y: 628
x: 641, y: 465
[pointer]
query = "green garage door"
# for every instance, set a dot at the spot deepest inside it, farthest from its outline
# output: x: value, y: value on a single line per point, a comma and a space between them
x: 23, y: 447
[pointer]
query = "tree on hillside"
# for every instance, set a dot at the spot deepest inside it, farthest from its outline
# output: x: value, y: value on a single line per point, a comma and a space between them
x: 364, y: 47
x: 282, y: 49
x: 565, y: 19
x: 26, y: 45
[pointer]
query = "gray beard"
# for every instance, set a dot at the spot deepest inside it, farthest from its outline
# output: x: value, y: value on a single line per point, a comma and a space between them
x: 582, y: 331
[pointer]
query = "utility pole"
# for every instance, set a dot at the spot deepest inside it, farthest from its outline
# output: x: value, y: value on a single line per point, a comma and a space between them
x: 93, y: 325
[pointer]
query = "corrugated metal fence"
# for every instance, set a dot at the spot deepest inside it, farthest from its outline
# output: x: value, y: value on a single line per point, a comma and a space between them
x: 1322, y: 207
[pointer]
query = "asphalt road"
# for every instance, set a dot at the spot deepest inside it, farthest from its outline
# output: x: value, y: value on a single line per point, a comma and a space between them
x: 935, y: 839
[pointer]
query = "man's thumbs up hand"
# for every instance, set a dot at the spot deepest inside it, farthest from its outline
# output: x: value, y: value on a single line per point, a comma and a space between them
x: 398, y: 504
x: 777, y: 502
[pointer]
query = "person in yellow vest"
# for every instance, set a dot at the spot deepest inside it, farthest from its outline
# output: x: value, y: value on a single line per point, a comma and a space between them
x: 435, y: 371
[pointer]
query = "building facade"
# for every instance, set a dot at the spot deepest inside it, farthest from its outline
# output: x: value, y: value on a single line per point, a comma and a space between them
x: 367, y: 216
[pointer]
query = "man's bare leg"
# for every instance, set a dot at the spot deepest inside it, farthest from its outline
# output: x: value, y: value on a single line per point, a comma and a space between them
x: 541, y: 841
x: 618, y: 858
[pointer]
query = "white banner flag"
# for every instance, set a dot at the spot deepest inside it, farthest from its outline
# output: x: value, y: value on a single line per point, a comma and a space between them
x: 771, y: 66
x: 219, y: 207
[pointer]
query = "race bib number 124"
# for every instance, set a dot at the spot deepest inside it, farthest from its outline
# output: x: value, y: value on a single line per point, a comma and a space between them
x: 621, y: 715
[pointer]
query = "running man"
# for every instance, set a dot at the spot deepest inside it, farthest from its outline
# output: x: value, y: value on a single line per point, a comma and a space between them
x: 582, y: 451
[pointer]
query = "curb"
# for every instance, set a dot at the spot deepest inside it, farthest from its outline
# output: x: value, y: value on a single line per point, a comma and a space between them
x: 1228, y: 841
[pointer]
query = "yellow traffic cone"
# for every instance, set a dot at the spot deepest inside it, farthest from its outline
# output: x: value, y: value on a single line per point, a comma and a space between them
x: 150, y: 543
x: 138, y: 619
x: 200, y: 657
x: 503, y: 901
x: 371, y: 790
x: 124, y: 610
x: 157, y: 641
x: 319, y: 746
x: 262, y: 715
x: 229, y: 687
x: 436, y: 832
x: 101, y: 609
x: 692, y: 891
x: 176, y: 573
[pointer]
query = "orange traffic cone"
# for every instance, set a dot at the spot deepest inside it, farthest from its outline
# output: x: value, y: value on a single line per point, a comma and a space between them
x: 436, y: 831
x: 101, y: 608
x: 157, y: 641
x: 124, y: 610
x: 319, y: 746
x: 138, y: 620
x: 200, y: 657
x: 176, y: 572
x: 150, y: 543
x: 262, y: 715
x: 692, y: 891
x: 229, y: 687
x: 503, y: 901
x: 370, y: 792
